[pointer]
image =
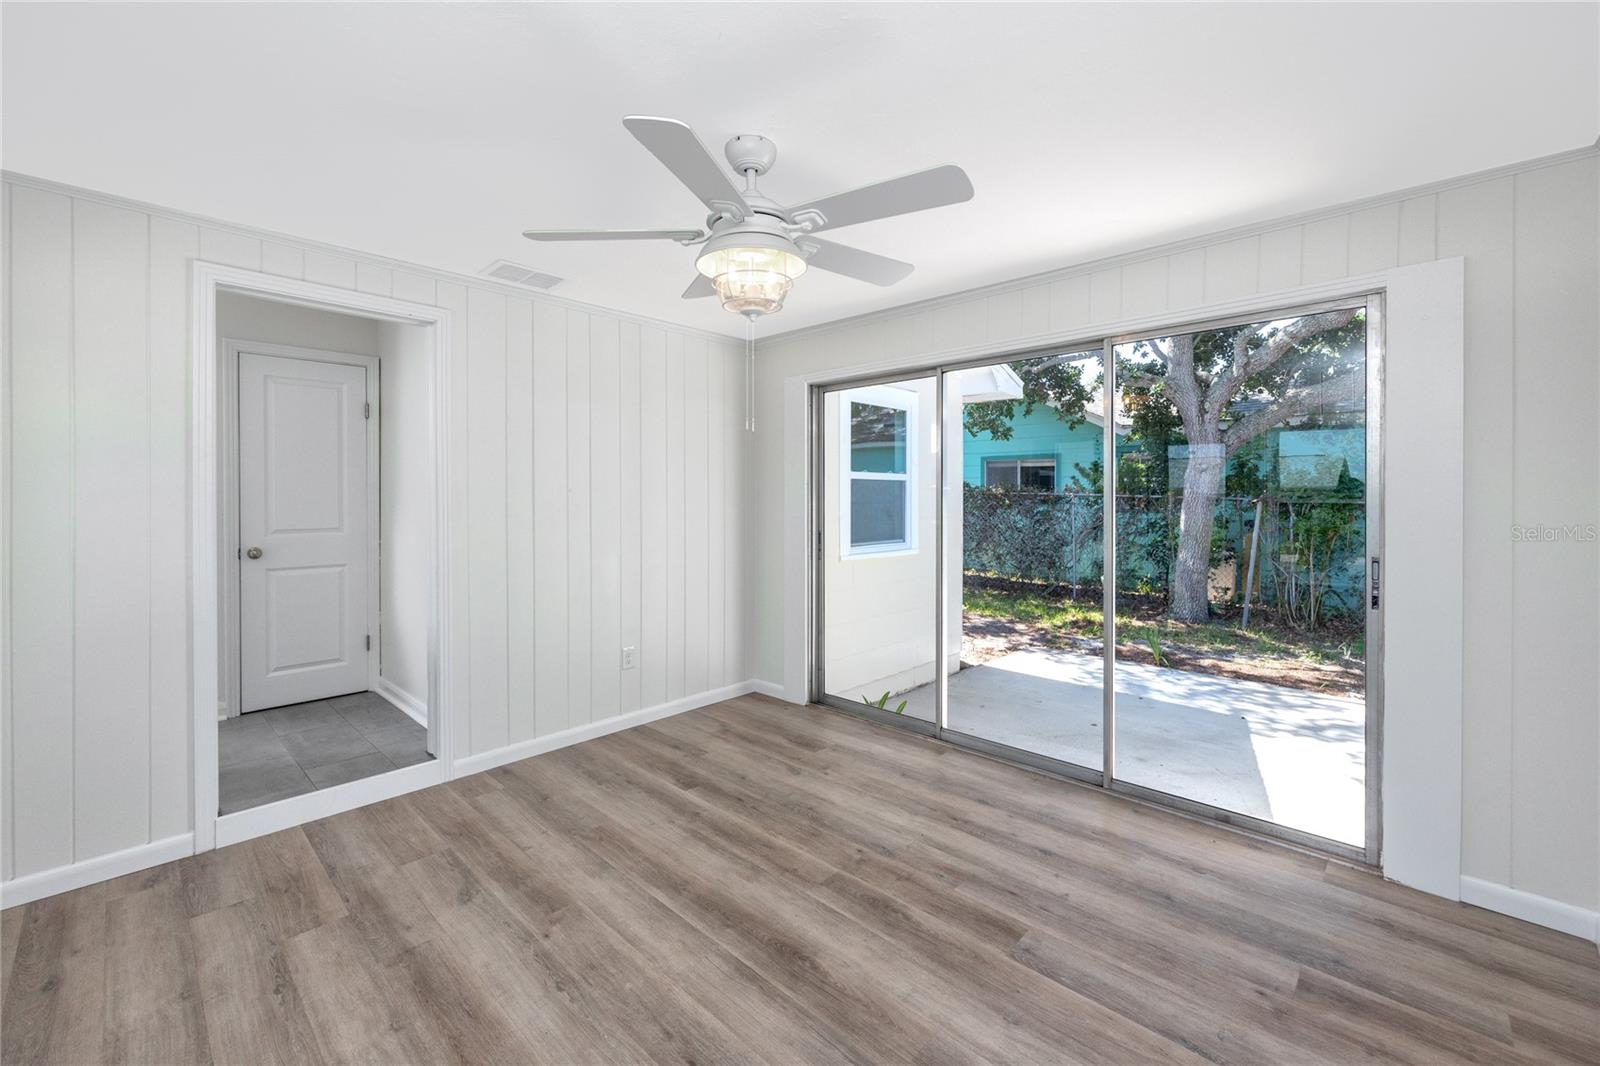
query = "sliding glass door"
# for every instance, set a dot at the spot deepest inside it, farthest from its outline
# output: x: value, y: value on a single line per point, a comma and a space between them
x: 1241, y: 570
x: 1026, y: 438
x: 1155, y: 554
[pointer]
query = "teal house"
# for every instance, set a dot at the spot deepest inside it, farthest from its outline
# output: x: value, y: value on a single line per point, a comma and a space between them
x: 1045, y: 453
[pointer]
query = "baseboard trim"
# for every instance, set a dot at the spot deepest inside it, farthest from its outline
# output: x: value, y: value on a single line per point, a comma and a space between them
x: 488, y: 760
x: 771, y: 688
x: 1540, y: 910
x: 20, y: 890
x: 415, y: 709
x: 244, y: 825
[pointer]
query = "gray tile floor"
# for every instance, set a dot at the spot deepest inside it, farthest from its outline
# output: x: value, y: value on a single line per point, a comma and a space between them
x: 287, y: 751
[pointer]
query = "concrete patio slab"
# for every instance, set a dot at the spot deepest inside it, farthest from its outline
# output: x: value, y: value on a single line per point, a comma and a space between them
x: 1286, y: 755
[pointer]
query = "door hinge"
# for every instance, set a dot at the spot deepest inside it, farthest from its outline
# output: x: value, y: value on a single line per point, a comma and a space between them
x: 369, y: 641
x: 366, y: 410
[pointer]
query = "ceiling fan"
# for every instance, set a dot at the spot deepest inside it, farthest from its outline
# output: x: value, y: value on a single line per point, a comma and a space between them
x: 754, y: 248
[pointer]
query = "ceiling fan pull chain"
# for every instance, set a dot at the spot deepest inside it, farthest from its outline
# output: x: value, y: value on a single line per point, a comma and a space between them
x: 750, y: 373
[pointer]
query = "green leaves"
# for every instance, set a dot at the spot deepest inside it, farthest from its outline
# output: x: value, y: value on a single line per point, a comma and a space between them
x: 882, y: 703
x: 1053, y: 381
x: 1153, y: 639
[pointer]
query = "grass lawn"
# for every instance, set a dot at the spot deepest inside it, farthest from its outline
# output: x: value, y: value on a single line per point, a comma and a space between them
x: 1331, y: 657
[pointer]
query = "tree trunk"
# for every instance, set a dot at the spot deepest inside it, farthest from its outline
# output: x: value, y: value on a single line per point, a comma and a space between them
x: 1191, y: 574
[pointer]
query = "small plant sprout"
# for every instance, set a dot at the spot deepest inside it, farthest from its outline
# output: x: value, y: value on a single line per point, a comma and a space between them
x: 882, y: 703
x: 1154, y: 640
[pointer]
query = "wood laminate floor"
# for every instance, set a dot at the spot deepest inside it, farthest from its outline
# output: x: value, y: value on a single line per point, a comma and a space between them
x: 755, y: 882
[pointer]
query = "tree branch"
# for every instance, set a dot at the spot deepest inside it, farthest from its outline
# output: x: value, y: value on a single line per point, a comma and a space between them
x: 1294, y: 404
x: 1152, y: 353
x: 1185, y: 390
x: 1045, y: 363
x: 1247, y: 363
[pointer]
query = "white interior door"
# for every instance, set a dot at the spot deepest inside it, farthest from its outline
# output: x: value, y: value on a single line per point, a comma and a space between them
x: 303, y: 533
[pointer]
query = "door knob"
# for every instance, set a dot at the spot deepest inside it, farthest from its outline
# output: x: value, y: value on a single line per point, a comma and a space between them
x: 254, y: 553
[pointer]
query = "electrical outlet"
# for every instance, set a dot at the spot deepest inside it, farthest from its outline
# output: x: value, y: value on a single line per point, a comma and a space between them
x: 629, y: 657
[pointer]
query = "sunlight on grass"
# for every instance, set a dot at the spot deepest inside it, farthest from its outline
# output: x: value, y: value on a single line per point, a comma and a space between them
x: 1081, y: 618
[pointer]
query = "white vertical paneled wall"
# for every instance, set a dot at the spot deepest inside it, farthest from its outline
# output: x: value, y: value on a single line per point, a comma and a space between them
x: 597, y: 495
x: 1528, y: 236
x: 521, y: 719
x: 110, y: 533
x: 40, y: 361
x: 488, y: 713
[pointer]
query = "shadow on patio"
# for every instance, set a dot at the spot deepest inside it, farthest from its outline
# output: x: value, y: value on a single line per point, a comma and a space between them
x: 1281, y: 754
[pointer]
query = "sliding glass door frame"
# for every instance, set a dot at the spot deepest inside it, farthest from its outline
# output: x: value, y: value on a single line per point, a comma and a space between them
x: 1373, y: 301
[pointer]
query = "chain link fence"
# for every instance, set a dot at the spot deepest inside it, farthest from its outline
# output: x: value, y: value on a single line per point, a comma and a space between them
x: 1309, y: 561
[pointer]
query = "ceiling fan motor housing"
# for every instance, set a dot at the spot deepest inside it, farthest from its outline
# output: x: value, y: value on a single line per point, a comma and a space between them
x: 750, y: 151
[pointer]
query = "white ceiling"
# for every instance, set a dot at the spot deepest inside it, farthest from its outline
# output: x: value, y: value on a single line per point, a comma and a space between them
x: 437, y: 133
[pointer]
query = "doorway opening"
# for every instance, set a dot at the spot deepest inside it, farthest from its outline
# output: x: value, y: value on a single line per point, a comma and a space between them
x: 1148, y: 562
x: 324, y: 593
x: 319, y: 466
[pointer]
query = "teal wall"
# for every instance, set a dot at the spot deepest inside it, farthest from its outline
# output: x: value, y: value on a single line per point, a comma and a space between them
x: 1040, y: 435
x: 1305, y: 457
x: 1303, y: 453
x: 1295, y: 459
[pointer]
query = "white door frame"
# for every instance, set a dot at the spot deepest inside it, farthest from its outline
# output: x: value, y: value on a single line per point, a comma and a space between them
x: 206, y: 364
x: 228, y: 420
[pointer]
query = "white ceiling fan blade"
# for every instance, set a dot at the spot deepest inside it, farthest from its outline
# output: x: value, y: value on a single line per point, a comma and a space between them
x: 675, y: 144
x: 897, y: 196
x: 854, y: 263
x: 700, y: 286
x: 613, y: 234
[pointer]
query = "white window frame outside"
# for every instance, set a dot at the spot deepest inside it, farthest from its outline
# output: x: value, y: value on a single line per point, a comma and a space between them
x: 897, y: 399
x: 1033, y: 461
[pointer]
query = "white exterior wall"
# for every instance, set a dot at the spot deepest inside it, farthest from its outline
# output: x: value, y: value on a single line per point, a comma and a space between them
x: 1530, y: 764
x: 598, y: 501
x: 880, y: 608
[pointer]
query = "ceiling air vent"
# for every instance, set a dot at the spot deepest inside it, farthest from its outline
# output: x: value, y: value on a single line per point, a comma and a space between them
x: 527, y: 277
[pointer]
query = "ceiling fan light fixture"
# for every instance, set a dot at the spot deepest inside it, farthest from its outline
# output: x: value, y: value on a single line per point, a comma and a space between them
x: 750, y: 257
x: 752, y: 272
